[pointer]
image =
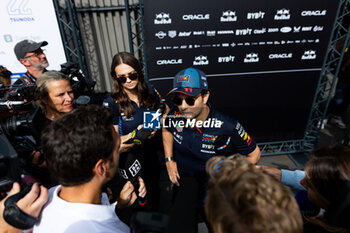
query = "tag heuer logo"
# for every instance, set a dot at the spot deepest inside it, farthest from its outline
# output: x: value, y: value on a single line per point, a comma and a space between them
x: 172, y: 34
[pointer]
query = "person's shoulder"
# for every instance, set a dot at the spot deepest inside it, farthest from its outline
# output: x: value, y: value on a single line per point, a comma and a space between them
x: 24, y: 79
x: 48, y: 214
x: 108, y: 97
x: 151, y: 87
x: 53, y: 189
x: 226, y: 119
x: 154, y: 91
x: 19, y: 81
x: 52, y: 192
x: 109, y: 101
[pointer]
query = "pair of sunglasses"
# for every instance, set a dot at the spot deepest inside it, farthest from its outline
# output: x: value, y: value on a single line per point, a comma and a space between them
x: 189, y: 100
x: 123, y: 77
x: 37, y: 53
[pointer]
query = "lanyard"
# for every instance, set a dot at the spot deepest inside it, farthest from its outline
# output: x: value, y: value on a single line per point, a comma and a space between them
x: 30, y: 76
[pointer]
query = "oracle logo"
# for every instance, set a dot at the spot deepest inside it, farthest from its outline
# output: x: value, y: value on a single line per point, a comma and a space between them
x: 314, y: 13
x: 280, y: 55
x: 169, y: 62
x: 196, y: 17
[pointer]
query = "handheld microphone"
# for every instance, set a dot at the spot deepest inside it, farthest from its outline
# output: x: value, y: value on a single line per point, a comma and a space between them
x: 161, y: 107
x: 130, y: 169
x: 138, y: 136
x: 223, y: 145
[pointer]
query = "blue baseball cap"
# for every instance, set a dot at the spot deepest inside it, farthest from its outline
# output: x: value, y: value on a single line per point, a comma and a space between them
x: 190, y: 81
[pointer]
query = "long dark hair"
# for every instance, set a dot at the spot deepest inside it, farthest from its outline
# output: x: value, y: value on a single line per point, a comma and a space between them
x: 328, y: 170
x: 327, y: 173
x: 118, y: 92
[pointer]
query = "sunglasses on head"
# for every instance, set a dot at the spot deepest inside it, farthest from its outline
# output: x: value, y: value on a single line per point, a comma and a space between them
x: 188, y: 99
x: 131, y: 75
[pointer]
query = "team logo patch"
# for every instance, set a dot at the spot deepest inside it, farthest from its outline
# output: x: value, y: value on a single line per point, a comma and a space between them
x: 127, y: 119
x: 177, y: 114
x: 247, y: 138
x: 208, y: 138
x: 183, y: 78
x: 177, y: 138
x: 243, y: 134
x: 179, y: 128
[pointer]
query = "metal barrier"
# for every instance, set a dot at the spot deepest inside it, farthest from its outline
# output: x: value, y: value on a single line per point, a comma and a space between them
x: 104, y: 29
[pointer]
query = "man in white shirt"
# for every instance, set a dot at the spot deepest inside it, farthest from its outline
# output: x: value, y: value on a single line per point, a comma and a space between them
x: 81, y: 150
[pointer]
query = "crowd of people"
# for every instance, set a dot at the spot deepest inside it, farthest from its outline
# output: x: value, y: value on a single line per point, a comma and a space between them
x: 81, y: 183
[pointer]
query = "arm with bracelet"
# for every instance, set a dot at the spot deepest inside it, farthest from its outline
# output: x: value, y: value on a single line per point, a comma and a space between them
x: 169, y: 159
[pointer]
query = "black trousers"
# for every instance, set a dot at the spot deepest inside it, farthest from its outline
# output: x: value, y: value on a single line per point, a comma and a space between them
x: 188, y: 206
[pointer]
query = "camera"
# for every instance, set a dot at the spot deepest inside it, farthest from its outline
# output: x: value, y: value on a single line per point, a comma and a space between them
x: 81, y: 85
x: 20, y: 136
x: 29, y: 123
x: 22, y: 131
x: 9, y: 164
x: 21, y: 98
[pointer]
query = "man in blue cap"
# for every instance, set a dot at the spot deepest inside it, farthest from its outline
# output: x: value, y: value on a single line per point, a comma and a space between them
x: 192, y: 127
x: 190, y: 130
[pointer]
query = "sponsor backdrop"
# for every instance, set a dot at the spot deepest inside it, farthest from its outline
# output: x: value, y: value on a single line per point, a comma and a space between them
x: 262, y: 57
x: 29, y: 19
